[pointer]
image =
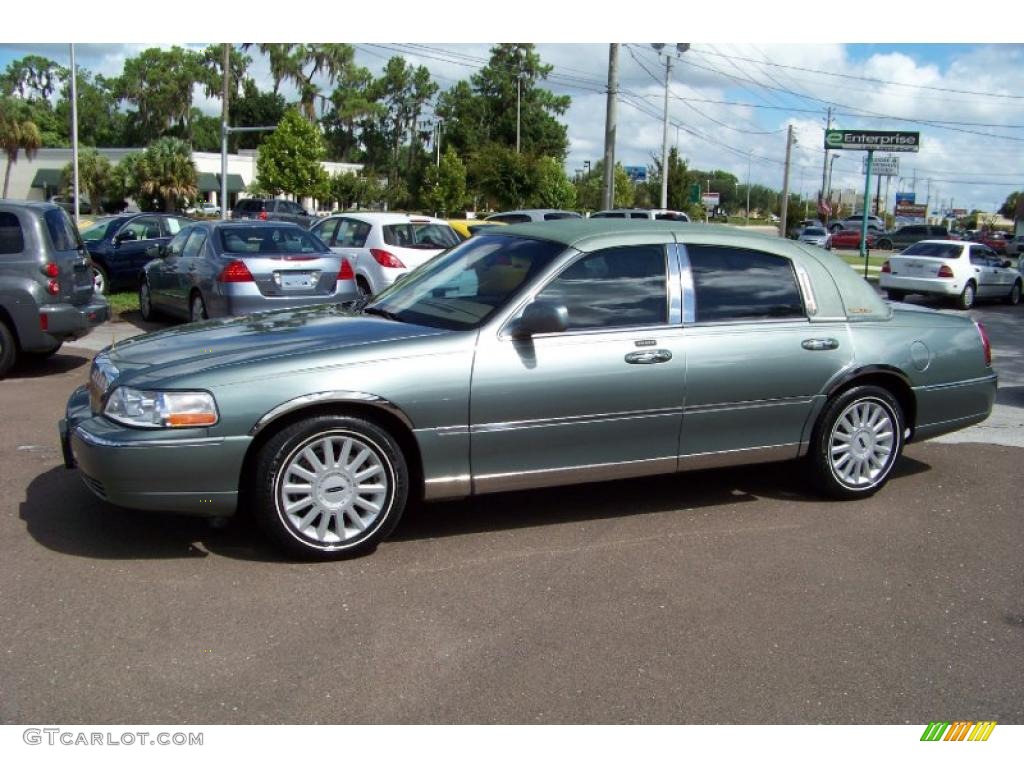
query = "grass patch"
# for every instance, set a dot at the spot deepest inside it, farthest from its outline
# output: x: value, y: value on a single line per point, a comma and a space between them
x: 854, y: 260
x: 124, y: 301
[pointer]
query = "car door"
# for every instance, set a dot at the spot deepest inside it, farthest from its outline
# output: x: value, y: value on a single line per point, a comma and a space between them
x: 133, y: 248
x: 186, y: 272
x: 350, y: 242
x: 162, y: 273
x: 985, y: 266
x: 755, y: 362
x: 599, y: 400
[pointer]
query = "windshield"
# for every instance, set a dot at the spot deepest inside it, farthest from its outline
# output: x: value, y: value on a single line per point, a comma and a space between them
x: 817, y: 231
x: 934, y: 250
x: 97, y: 231
x: 462, y: 288
x: 247, y: 240
x: 420, y: 235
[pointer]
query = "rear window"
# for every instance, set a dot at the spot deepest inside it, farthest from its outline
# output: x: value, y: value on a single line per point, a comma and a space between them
x: 934, y: 250
x: 271, y: 240
x: 63, y: 235
x: 511, y: 218
x: 12, y: 240
x: 425, y: 236
x: 560, y: 215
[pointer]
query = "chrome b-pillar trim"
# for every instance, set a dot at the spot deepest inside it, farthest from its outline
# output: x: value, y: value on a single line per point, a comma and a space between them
x: 332, y: 396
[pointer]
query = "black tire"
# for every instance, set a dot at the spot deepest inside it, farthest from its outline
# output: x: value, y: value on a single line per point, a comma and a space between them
x: 837, y: 474
x: 333, y: 503
x: 967, y: 296
x: 146, y: 301
x: 896, y: 295
x: 8, y: 349
x: 197, y: 308
x: 100, y: 279
x: 884, y: 245
x: 363, y: 287
x: 1014, y: 298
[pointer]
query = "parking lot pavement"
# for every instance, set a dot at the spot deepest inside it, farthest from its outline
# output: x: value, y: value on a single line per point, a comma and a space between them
x: 729, y: 596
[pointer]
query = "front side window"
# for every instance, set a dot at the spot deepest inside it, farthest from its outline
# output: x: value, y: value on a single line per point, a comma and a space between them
x: 735, y: 284
x: 195, y: 242
x: 142, y: 228
x: 617, y: 287
x: 325, y: 231
x: 177, y: 244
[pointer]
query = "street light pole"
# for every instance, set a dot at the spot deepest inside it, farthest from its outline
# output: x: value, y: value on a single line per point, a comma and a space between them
x: 519, y: 98
x: 747, y: 222
x: 74, y: 137
x: 680, y: 48
x: 224, y: 133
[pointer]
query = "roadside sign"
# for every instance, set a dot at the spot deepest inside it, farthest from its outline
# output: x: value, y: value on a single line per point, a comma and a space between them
x: 886, y: 141
x: 710, y: 199
x: 636, y: 172
x: 695, y: 193
x: 882, y: 165
x: 905, y: 197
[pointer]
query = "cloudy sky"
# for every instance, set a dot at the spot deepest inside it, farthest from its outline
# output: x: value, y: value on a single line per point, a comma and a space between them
x: 728, y: 100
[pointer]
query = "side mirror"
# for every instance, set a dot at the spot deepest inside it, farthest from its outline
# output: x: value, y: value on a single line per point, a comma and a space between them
x: 1006, y: 264
x: 540, y: 317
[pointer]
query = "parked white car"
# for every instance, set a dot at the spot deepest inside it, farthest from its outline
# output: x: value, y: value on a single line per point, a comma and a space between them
x: 383, y: 246
x: 814, y: 236
x: 659, y: 214
x: 962, y: 271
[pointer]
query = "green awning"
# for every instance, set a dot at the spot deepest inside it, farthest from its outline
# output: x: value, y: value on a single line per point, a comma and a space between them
x: 207, y: 182
x: 46, y: 177
x: 235, y: 183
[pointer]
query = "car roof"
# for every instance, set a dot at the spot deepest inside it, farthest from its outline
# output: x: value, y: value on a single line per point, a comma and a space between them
x: 377, y: 217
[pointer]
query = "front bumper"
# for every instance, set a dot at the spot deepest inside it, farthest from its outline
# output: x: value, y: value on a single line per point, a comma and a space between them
x: 183, y: 471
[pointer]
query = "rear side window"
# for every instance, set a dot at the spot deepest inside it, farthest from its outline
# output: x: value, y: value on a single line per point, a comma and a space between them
x: 12, y: 240
x: 195, y: 242
x: 638, y: 216
x: 325, y: 231
x: 511, y: 218
x: 560, y: 215
x: 734, y: 284
x: 63, y: 235
x: 608, y: 216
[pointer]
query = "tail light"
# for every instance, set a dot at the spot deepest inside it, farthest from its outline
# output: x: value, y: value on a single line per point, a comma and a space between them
x: 51, y: 270
x: 985, y: 343
x: 945, y: 271
x: 386, y: 259
x: 886, y: 268
x: 236, y: 272
x: 263, y: 215
x: 346, y: 273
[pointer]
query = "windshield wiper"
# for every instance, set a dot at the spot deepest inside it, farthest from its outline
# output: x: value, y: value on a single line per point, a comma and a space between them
x: 382, y: 313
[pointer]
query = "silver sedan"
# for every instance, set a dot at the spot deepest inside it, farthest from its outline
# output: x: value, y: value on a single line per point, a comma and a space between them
x: 218, y: 269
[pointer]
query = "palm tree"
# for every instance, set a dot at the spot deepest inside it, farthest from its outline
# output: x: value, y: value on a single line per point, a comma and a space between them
x: 16, y: 133
x: 95, y: 177
x: 288, y: 61
x: 167, y: 171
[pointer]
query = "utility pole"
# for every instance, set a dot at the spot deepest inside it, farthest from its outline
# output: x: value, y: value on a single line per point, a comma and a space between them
x: 608, y: 188
x: 785, y: 182
x: 519, y: 99
x: 747, y: 222
x: 74, y: 138
x: 680, y: 48
x: 224, y: 133
x: 826, y: 169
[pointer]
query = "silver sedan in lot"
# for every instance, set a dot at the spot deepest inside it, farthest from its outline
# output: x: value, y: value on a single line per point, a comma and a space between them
x: 536, y: 355
x: 218, y: 269
x: 814, y: 236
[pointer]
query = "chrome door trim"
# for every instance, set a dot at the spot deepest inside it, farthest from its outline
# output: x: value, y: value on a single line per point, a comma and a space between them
x: 543, y: 478
x: 562, y: 421
x: 760, y: 455
x: 746, y: 404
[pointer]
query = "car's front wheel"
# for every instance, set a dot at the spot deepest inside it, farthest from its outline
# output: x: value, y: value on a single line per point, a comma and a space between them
x: 331, y: 487
x: 857, y: 442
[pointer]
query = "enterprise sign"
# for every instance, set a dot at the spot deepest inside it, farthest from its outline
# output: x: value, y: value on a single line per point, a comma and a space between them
x: 888, y: 141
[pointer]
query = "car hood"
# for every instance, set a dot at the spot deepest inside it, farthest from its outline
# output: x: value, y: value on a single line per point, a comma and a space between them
x: 195, y: 347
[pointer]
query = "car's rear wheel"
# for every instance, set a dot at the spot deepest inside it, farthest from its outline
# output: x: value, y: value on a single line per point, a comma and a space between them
x: 363, y: 285
x: 8, y: 349
x: 1014, y: 298
x: 967, y: 296
x: 145, y: 301
x: 896, y: 295
x: 197, y: 309
x: 100, y: 279
x: 884, y: 245
x: 332, y: 487
x: 857, y: 442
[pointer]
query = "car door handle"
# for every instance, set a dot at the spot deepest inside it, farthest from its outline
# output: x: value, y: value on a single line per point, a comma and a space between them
x: 819, y: 344
x: 649, y: 357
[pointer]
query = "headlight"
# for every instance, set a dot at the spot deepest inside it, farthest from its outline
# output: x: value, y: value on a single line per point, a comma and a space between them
x: 141, y: 408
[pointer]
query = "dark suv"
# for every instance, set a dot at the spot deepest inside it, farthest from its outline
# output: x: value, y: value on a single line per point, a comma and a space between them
x: 906, y: 236
x: 46, y: 289
x: 266, y: 209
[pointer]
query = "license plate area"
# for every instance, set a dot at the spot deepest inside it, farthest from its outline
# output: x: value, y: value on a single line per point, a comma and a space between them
x: 296, y: 281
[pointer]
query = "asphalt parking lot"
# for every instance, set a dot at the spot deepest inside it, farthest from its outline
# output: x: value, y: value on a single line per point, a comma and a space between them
x: 730, y: 596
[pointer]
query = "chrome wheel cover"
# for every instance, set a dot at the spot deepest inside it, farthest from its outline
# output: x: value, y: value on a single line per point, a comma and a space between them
x: 862, y: 444
x: 333, y: 488
x: 968, y: 295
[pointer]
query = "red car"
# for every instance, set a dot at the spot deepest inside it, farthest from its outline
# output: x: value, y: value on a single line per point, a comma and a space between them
x: 997, y: 241
x: 849, y: 238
